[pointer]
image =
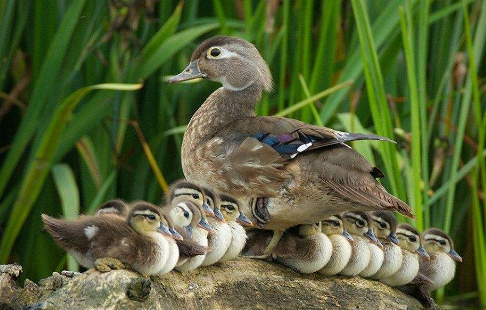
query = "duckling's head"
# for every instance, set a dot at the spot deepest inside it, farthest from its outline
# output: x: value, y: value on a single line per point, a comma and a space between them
x: 360, y: 223
x: 410, y: 239
x: 230, y: 207
x: 185, y: 190
x: 115, y: 206
x: 334, y: 226
x: 198, y: 218
x: 214, y: 202
x: 307, y: 230
x: 385, y: 225
x: 144, y: 217
x: 437, y: 241
x: 232, y: 61
x: 181, y: 214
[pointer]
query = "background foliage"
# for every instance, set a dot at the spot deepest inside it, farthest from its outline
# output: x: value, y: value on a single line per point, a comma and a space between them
x: 410, y: 70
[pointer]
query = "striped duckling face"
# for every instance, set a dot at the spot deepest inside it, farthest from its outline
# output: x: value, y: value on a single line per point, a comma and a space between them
x: 184, y: 190
x: 214, y: 202
x: 145, y: 218
x: 437, y: 241
x: 385, y: 225
x: 230, y: 207
x: 360, y: 223
x: 409, y: 239
x: 334, y: 226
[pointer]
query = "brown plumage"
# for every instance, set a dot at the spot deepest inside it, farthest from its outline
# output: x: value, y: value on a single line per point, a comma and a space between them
x: 115, y: 206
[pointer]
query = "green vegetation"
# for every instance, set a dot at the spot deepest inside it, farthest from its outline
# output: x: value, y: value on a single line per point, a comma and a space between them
x: 76, y: 129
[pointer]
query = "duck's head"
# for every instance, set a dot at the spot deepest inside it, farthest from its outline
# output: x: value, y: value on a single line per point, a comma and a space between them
x: 115, y: 206
x: 214, y: 202
x: 410, y: 239
x: 185, y: 190
x: 145, y: 218
x: 230, y: 207
x: 437, y: 241
x: 385, y: 225
x: 360, y: 223
x: 232, y: 61
x: 334, y: 226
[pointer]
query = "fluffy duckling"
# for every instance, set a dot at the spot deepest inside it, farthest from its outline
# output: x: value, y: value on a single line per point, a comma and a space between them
x: 341, y: 241
x: 304, y: 248
x: 185, y: 190
x: 441, y: 266
x: 219, y: 239
x: 376, y: 255
x: 385, y: 229
x: 411, y: 245
x: 230, y: 207
x: 359, y: 225
x: 137, y: 241
x: 115, y: 206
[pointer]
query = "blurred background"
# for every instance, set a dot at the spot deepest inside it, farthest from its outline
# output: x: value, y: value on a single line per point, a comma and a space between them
x: 410, y: 70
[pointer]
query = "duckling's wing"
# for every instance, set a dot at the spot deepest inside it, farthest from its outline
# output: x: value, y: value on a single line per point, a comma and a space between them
x: 67, y: 234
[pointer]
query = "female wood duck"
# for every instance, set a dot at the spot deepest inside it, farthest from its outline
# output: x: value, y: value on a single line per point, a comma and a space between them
x: 441, y: 266
x: 411, y: 245
x: 385, y: 229
x: 304, y: 248
x: 341, y: 241
x: 293, y: 172
x: 359, y: 225
x: 220, y: 238
x: 137, y: 241
x: 376, y: 255
x: 230, y: 207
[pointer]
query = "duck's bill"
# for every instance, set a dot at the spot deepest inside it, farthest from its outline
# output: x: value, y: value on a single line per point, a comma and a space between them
x: 393, y: 238
x: 191, y: 72
x: 243, y: 220
x: 370, y: 235
x: 379, y: 244
x: 423, y: 252
x: 207, y: 209
x: 205, y: 225
x: 348, y: 236
x: 453, y: 254
x: 175, y: 234
x: 164, y: 230
x: 219, y: 215
x: 189, y: 228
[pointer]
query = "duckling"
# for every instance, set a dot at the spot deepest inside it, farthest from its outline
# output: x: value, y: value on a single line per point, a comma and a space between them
x: 304, y: 248
x: 285, y: 172
x: 376, y: 255
x: 341, y: 241
x: 136, y: 241
x: 411, y: 245
x: 385, y: 228
x: 358, y: 224
x: 220, y: 238
x: 230, y: 207
x: 114, y: 206
x: 441, y: 266
x: 185, y: 190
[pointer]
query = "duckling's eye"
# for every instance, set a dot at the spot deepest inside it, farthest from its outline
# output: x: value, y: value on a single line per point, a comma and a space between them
x: 412, y: 239
x: 360, y: 223
x: 151, y: 217
x: 214, y: 52
x: 382, y: 225
x: 186, y: 214
x: 230, y: 207
x: 195, y: 196
x: 335, y: 223
x: 442, y: 242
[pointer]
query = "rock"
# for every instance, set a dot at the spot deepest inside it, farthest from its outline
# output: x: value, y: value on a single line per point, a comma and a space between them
x: 239, y: 284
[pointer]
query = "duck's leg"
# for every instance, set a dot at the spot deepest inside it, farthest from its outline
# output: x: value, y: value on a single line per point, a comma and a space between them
x: 277, y: 235
x: 107, y: 264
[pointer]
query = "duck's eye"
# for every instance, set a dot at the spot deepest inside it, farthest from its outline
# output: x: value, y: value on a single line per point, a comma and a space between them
x: 382, y: 225
x: 214, y: 52
x: 442, y: 242
x: 186, y: 214
x: 335, y: 223
x: 360, y: 223
x: 412, y: 239
x: 195, y: 196
x: 151, y: 217
x: 230, y: 208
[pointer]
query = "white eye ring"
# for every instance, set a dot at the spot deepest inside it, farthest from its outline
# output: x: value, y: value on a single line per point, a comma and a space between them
x: 214, y: 52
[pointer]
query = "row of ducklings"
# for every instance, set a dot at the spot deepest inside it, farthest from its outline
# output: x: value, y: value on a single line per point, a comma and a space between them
x: 196, y: 227
x: 371, y: 245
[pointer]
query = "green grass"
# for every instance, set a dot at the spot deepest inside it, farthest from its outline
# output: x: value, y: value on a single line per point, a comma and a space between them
x: 412, y: 70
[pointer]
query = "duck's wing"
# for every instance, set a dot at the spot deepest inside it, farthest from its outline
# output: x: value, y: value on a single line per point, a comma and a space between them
x: 69, y: 235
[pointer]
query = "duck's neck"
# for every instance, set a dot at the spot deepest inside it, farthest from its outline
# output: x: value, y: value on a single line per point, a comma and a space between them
x: 220, y: 109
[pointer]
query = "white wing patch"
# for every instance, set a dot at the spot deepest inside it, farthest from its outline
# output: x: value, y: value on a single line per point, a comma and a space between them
x: 91, y: 231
